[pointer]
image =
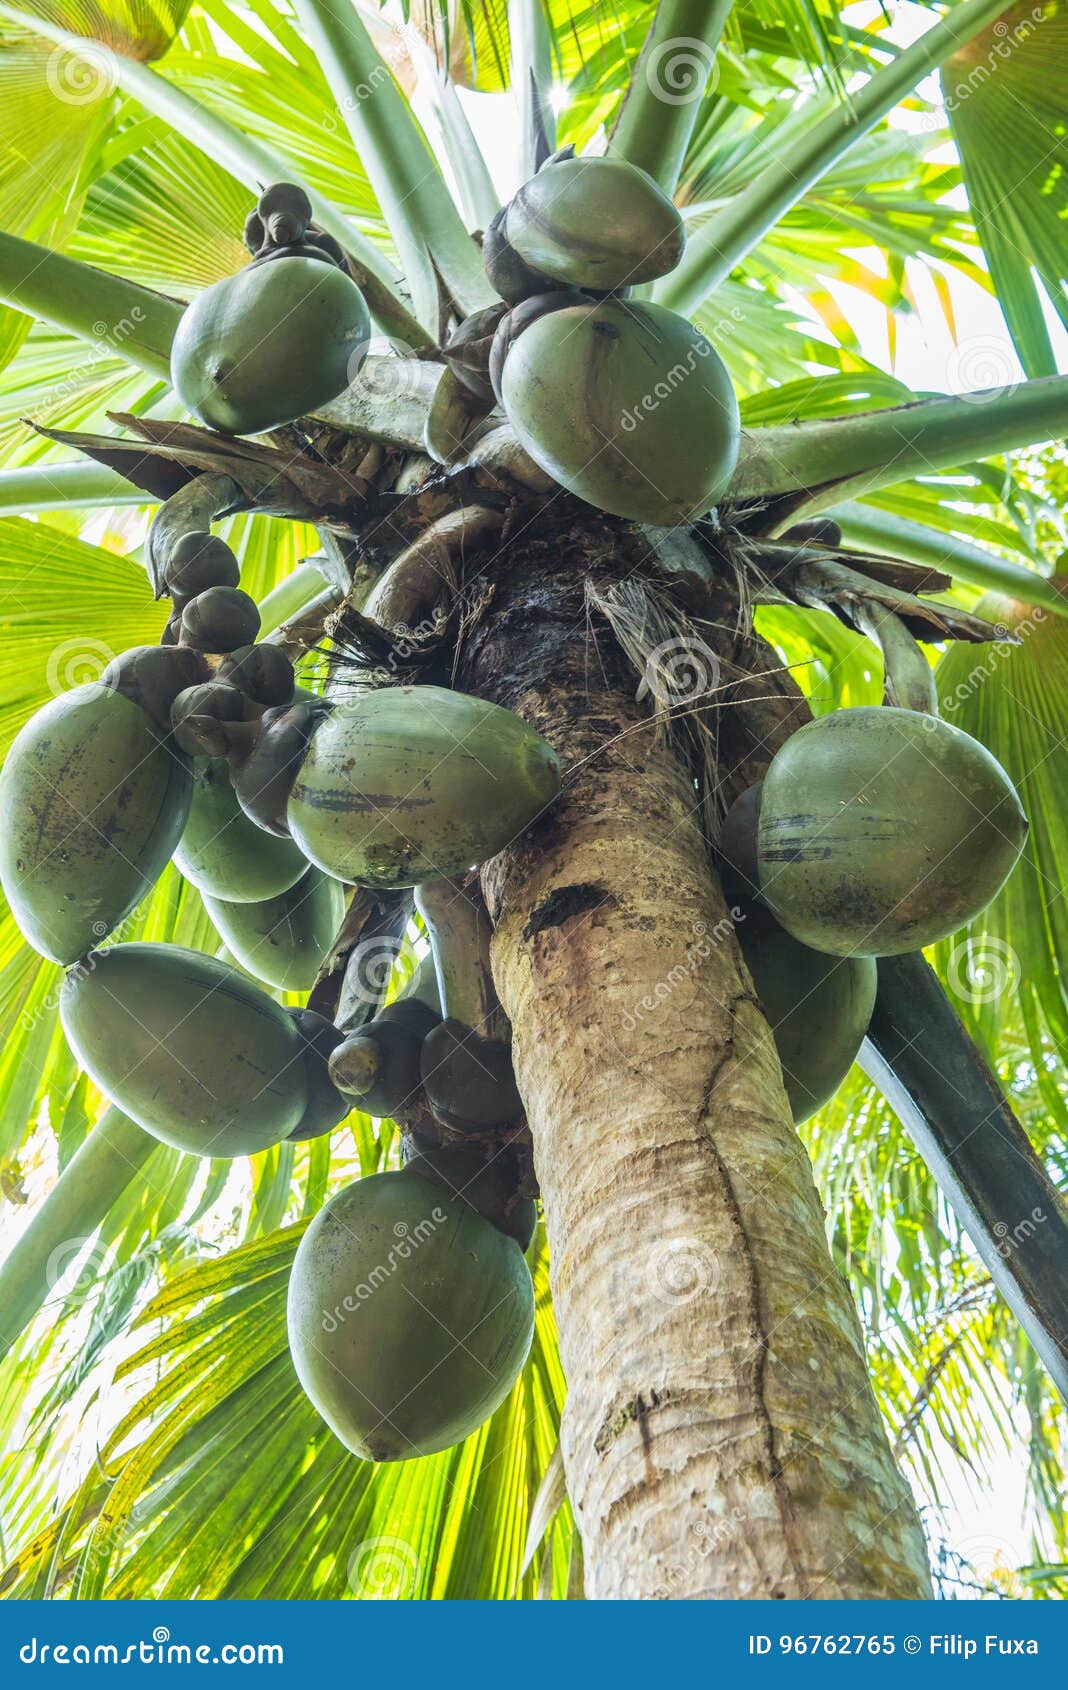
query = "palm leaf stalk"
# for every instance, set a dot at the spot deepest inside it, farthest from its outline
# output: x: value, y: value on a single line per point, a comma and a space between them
x: 945, y: 1093
x: 531, y: 78
x: 98, y: 1173
x: 867, y: 526
x: 106, y: 310
x: 415, y: 202
x: 663, y: 98
x: 813, y: 465
x: 77, y: 485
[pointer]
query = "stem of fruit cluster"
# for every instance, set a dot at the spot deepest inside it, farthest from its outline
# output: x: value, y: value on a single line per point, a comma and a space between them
x: 460, y: 932
x: 90, y: 1184
x: 908, y: 679
x: 121, y: 318
x: 723, y: 240
x: 663, y: 99
x: 878, y: 530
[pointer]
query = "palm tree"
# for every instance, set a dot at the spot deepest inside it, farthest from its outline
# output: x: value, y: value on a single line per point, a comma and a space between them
x: 721, y: 1435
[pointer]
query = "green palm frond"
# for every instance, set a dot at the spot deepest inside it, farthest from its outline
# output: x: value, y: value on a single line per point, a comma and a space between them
x: 141, y: 29
x: 164, y: 212
x: 1006, y: 95
x: 220, y: 1381
x: 1014, y: 698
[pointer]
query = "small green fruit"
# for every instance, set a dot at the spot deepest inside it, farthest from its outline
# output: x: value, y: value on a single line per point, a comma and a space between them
x: 226, y: 855
x: 595, y: 223
x: 882, y: 830
x: 283, y: 940
x: 410, y: 783
x: 817, y: 1006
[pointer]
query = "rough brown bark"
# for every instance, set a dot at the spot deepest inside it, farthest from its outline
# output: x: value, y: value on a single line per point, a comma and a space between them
x: 720, y: 1438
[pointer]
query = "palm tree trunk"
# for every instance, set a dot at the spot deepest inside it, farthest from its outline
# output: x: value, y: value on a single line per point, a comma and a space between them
x: 721, y: 1438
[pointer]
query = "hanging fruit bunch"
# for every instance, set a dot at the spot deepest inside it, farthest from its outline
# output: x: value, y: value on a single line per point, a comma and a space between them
x: 447, y: 1233
x: 624, y: 403
x: 279, y: 805
x: 283, y: 336
x: 876, y: 831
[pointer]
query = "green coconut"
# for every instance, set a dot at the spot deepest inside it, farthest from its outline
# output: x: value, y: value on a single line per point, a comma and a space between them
x: 283, y: 940
x: 94, y: 801
x: 187, y: 1047
x: 627, y: 405
x: 269, y: 344
x: 882, y: 830
x: 595, y: 223
x: 410, y: 1316
x: 817, y: 1006
x: 223, y: 853
x: 409, y: 783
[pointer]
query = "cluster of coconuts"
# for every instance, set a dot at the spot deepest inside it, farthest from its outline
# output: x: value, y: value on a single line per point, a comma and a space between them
x: 411, y: 1306
x: 876, y: 831
x: 623, y: 402
x: 204, y: 750
x: 270, y: 800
